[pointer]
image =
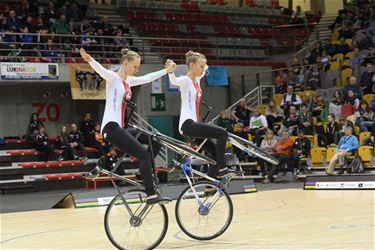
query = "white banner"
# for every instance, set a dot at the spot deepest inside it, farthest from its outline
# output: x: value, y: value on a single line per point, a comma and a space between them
x: 29, y: 71
x: 346, y: 185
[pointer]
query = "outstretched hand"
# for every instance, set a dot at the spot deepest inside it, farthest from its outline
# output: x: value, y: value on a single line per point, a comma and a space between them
x: 170, y: 66
x: 84, y: 55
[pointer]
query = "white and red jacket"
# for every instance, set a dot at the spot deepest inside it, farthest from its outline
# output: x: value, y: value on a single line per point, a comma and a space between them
x: 118, y: 90
x: 191, y: 93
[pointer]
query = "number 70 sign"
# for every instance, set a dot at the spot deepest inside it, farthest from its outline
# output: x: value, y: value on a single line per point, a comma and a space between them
x: 52, y: 110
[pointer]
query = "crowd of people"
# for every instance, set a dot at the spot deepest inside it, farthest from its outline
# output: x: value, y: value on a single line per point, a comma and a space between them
x: 59, y: 17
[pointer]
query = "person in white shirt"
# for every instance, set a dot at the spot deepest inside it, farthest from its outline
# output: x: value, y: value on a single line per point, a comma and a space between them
x: 258, y: 126
x: 289, y: 99
x: 118, y: 92
x: 189, y: 124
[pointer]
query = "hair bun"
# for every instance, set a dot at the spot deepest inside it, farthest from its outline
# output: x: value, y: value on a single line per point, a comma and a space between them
x: 189, y: 53
x: 124, y: 51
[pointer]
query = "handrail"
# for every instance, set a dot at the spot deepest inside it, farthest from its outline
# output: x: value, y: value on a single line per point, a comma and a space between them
x: 294, y: 25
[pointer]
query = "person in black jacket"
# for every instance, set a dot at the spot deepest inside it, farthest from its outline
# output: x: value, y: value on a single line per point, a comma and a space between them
x: 330, y: 134
x: 301, y: 149
x: 33, y: 127
x: 88, y: 130
x: 42, y: 144
x: 75, y: 147
x: 370, y: 141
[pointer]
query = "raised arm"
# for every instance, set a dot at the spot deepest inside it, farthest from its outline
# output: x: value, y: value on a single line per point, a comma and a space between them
x: 103, y: 72
x: 177, y: 81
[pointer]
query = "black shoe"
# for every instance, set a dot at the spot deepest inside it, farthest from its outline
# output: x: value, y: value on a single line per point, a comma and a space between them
x: 92, y: 174
x: 154, y: 199
x: 228, y: 171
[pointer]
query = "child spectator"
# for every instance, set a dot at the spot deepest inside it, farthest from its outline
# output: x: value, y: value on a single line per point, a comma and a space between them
x: 42, y: 144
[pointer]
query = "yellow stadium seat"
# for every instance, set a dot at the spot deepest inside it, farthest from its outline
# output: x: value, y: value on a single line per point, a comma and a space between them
x: 262, y: 109
x: 345, y: 74
x: 349, y: 54
x: 317, y: 155
x: 294, y: 138
x: 349, y: 42
x: 362, y: 136
x: 330, y: 152
x: 249, y: 137
x: 346, y: 63
x: 339, y: 56
x: 368, y: 98
x: 357, y: 130
x: 278, y: 98
x: 315, y: 141
x: 365, y: 153
x: 314, y: 120
x: 334, y: 66
x: 310, y: 137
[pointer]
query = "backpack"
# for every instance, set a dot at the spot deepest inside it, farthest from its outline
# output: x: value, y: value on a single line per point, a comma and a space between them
x: 356, y: 165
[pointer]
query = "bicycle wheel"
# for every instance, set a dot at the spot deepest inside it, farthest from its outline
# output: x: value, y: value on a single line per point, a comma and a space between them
x: 183, y: 149
x: 208, y: 220
x: 252, y: 149
x: 132, y: 224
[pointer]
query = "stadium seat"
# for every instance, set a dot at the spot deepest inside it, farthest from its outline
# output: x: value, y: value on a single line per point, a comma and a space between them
x: 278, y: 98
x: 365, y: 152
x: 357, y: 130
x: 368, y: 98
x: 345, y: 74
x: 338, y: 56
x: 349, y: 54
x: 317, y: 156
x: 363, y: 135
x: 334, y: 66
x: 330, y: 152
x: 349, y: 42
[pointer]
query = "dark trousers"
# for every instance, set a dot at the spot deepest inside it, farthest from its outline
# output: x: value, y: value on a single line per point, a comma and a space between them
x: 283, y: 160
x: 324, y: 140
x: 69, y: 152
x: 46, y: 149
x: 215, y: 145
x: 258, y: 135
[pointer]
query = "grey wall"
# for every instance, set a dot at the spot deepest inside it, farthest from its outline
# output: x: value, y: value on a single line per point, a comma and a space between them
x: 16, y: 99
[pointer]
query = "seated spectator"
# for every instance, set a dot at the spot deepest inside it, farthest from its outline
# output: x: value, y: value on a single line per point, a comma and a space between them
x: 13, y: 22
x: 62, y: 138
x: 282, y: 152
x: 105, y: 26
x: 281, y: 81
x: 351, y: 99
x: 23, y: 10
x: 268, y: 144
x: 74, y: 14
x: 318, y: 49
x: 50, y: 51
x: 296, y: 66
x: 290, y: 99
x: 50, y: 12
x: 370, y: 57
x: 352, y: 85
x: 120, y: 41
x: 313, y: 79
x: 292, y: 121
x: 366, y: 81
x: 298, y: 16
x: 347, y: 145
x: 258, y: 126
x: 318, y: 107
x: 346, y: 32
x: 273, y: 114
x: 342, y: 47
x: 337, y: 98
x: 33, y: 127
x: 100, y: 143
x: 305, y: 120
x: 330, y: 48
x: 309, y: 101
x: 29, y: 24
x: 370, y: 141
x: 26, y: 41
x: 225, y: 122
x: 75, y: 148
x: 363, y: 41
x: 38, y: 22
x: 87, y: 129
x: 88, y: 40
x: 365, y: 116
x: 307, y: 62
x: 61, y: 26
x: 242, y: 113
x: 301, y: 149
x: 329, y: 135
x: 355, y: 60
x: 42, y: 144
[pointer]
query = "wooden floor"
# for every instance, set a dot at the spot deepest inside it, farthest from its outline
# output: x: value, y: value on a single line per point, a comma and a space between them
x: 281, y: 219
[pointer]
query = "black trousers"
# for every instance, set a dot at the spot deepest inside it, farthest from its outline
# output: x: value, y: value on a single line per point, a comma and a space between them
x: 125, y: 140
x: 283, y: 159
x: 46, y: 149
x: 215, y: 145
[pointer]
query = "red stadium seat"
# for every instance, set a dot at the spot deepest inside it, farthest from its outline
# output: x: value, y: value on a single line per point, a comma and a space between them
x: 131, y: 14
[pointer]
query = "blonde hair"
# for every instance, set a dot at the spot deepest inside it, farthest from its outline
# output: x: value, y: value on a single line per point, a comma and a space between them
x: 193, y: 57
x: 128, y: 55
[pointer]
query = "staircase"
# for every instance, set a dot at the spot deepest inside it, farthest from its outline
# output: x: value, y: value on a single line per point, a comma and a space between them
x: 116, y: 19
x: 322, y: 28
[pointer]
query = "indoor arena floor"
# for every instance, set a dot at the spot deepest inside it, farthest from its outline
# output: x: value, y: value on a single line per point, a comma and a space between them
x: 276, y: 219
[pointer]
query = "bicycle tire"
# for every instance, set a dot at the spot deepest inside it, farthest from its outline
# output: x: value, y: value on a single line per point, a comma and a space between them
x: 185, y: 148
x: 257, y: 151
x: 112, y: 205
x: 179, y: 213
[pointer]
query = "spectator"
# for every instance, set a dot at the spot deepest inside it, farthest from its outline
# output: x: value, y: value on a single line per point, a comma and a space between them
x: 61, y: 26
x: 342, y: 47
x: 365, y: 117
x: 318, y: 49
x: 268, y: 144
x: 305, y: 120
x: 120, y: 41
x: 330, y: 134
x: 298, y: 16
x: 85, y: 26
x: 370, y: 141
x: 292, y: 121
x: 26, y: 41
x: 337, y: 98
x: 330, y: 48
x: 282, y: 152
x: 273, y: 114
x: 12, y: 21
x: 352, y: 85
x: 309, y: 101
x: 301, y: 149
x: 313, y: 79
x: 50, y: 51
x: 3, y: 22
x: 281, y: 81
x: 87, y: 129
x: 42, y: 144
x: 296, y: 66
x: 370, y: 57
x: 125, y: 27
x: 351, y: 99
x: 23, y: 10
x: 29, y: 24
x: 75, y: 147
x: 75, y: 15
x: 111, y: 158
x: 225, y: 122
x: 347, y: 145
x: 366, y: 81
x: 346, y: 32
x: 34, y: 125
x: 106, y: 26
x: 355, y: 60
x: 242, y: 113
x: 100, y: 143
x: 289, y: 99
x: 92, y: 14
x: 38, y: 23
x: 318, y: 107
x: 50, y: 12
x: 89, y: 41
x: 258, y: 126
